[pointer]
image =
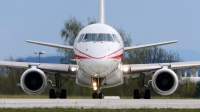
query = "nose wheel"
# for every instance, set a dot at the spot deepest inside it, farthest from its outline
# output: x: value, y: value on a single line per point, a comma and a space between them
x: 96, y: 95
x: 101, y: 96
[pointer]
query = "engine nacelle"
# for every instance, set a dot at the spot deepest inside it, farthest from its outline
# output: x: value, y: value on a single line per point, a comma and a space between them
x: 165, y: 81
x: 33, y: 81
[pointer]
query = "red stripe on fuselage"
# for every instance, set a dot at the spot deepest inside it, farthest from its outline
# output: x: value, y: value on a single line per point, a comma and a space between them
x: 117, y: 57
x: 88, y: 56
x: 80, y: 57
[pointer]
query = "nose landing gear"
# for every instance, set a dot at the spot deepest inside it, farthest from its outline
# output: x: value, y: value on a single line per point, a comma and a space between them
x: 96, y: 85
x: 97, y: 95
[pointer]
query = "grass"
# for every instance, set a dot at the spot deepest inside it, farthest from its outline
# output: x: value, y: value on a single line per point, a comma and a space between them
x: 95, y: 110
x: 23, y: 96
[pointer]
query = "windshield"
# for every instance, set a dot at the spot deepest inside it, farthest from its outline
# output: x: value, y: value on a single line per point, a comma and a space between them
x: 105, y: 37
x: 116, y: 38
x: 80, y: 38
x: 90, y: 37
x: 98, y: 37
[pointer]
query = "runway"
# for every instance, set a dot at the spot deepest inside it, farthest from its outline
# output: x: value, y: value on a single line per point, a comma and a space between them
x: 100, y: 104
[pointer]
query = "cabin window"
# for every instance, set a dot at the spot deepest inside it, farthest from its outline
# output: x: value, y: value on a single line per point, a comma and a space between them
x: 116, y: 38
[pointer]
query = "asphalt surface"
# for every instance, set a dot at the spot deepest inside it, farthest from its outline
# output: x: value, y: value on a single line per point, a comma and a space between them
x: 101, y: 104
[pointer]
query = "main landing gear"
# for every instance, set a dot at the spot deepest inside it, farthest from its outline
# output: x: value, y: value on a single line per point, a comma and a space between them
x: 138, y: 95
x: 58, y: 92
x: 146, y: 94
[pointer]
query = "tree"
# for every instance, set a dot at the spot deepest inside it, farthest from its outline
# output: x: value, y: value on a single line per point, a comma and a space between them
x: 197, y: 92
x: 125, y: 37
x: 189, y: 88
x: 70, y: 31
x: 9, y: 84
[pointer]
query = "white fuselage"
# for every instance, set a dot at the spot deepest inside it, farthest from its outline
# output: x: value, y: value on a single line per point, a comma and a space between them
x: 98, y: 49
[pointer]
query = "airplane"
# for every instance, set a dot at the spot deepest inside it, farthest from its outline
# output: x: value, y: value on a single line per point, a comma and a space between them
x: 98, y: 50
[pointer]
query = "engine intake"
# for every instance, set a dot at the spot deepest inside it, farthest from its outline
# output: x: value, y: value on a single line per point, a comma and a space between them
x: 33, y: 81
x: 165, y: 81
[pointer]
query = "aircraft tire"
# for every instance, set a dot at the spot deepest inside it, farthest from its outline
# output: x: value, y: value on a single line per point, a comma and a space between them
x: 136, y: 94
x: 52, y: 94
x: 95, y: 95
x: 101, y: 96
x: 63, y: 94
x: 147, y: 94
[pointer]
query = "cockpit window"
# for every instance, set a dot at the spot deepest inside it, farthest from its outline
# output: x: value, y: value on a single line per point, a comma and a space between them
x: 116, y: 38
x: 98, y: 37
x: 105, y: 37
x: 90, y: 37
x: 80, y: 38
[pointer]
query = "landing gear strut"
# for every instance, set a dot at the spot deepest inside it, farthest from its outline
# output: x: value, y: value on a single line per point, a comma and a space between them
x: 58, y: 92
x: 146, y: 94
x: 98, y: 94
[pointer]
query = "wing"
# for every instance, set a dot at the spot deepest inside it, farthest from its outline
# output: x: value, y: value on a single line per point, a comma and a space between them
x: 51, y: 68
x: 51, y: 45
x: 149, y: 45
x: 138, y: 68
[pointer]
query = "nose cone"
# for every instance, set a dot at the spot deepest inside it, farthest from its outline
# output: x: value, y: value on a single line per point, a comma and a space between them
x: 101, y: 67
x: 102, y: 50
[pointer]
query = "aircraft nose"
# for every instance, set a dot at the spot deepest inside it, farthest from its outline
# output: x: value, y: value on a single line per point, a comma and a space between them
x: 98, y: 66
x: 102, y: 51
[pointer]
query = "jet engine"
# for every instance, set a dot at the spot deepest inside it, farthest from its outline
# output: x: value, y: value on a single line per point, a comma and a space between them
x: 165, y: 81
x: 33, y: 81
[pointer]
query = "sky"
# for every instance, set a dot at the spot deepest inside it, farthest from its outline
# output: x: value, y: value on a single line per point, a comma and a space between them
x: 147, y: 21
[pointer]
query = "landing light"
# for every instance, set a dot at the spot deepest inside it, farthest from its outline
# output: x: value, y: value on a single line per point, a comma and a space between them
x: 94, y: 84
x: 73, y: 69
x: 126, y: 69
x: 95, y: 88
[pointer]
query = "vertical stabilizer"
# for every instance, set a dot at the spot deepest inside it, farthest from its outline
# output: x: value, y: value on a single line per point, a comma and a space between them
x: 101, y: 11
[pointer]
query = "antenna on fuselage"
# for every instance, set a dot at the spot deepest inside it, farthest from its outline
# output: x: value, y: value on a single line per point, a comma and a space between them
x: 101, y: 11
